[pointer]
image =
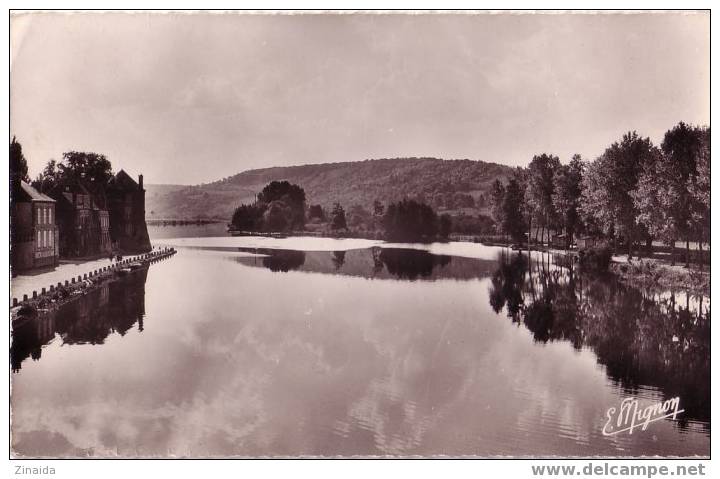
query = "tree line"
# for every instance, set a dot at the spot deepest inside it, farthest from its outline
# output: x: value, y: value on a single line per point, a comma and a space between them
x: 94, y: 169
x: 281, y: 207
x: 633, y: 193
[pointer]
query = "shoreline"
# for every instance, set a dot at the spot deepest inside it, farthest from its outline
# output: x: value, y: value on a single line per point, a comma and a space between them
x: 57, y: 295
x: 653, y: 274
x: 648, y: 273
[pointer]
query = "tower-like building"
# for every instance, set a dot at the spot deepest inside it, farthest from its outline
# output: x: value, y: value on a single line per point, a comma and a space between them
x: 126, y: 206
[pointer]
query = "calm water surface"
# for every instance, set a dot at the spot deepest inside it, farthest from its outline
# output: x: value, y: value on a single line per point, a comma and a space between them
x: 251, y: 347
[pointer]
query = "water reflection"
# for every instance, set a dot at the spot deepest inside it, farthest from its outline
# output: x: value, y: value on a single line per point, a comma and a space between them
x: 283, y: 260
x: 643, y: 340
x: 379, y: 263
x: 412, y: 264
x: 364, y: 353
x: 338, y: 259
x: 112, y: 308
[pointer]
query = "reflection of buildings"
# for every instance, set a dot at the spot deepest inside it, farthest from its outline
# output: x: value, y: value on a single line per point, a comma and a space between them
x: 34, y: 240
x: 29, y: 338
x: 113, y: 308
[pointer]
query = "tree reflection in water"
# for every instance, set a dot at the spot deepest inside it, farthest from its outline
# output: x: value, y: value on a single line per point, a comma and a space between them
x: 338, y: 259
x: 112, y: 308
x: 399, y: 263
x: 642, y: 339
x: 281, y: 260
x: 411, y: 264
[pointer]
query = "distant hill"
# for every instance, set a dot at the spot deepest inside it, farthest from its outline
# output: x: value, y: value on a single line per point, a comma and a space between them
x: 448, y: 185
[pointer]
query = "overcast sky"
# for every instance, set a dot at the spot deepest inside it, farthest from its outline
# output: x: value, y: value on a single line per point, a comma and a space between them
x: 188, y: 98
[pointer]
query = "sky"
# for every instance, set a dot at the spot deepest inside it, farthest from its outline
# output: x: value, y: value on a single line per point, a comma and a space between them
x: 192, y: 98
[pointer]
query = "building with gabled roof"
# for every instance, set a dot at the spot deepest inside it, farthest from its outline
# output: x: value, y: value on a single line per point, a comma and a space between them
x: 126, y: 205
x: 33, y: 233
x: 83, y: 220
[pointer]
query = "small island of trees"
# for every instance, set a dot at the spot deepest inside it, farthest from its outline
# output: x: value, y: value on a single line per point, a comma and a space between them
x: 280, y: 208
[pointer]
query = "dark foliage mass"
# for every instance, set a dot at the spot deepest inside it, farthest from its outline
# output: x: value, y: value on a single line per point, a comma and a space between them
x: 316, y: 212
x: 279, y: 207
x: 409, y: 220
x: 18, y: 164
x: 93, y: 169
x: 283, y: 260
x: 248, y: 218
x: 411, y: 264
x: 445, y: 225
x: 338, y: 221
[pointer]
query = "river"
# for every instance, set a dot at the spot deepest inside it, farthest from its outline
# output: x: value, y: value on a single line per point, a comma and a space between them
x: 323, y: 347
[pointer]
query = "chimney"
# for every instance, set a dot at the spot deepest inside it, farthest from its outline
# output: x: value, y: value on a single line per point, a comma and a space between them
x: 140, y: 181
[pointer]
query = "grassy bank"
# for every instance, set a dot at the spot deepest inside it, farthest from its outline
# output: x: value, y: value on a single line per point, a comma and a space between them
x: 654, y: 274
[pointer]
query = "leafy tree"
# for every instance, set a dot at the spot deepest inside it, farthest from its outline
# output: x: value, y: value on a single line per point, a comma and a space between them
x: 409, y: 220
x: 338, y: 221
x: 445, y: 225
x: 699, y: 188
x: 278, y: 216
x: 48, y: 178
x: 540, y: 189
x: 248, y: 218
x: 92, y: 167
x: 479, y: 225
x: 316, y: 211
x: 291, y: 195
x: 566, y: 197
x: 609, y: 183
x: 18, y: 163
x: 513, y: 222
x: 664, y: 197
x: 497, y: 200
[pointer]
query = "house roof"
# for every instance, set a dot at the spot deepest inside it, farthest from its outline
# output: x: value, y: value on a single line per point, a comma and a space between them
x: 122, y: 180
x: 64, y: 191
x: 31, y: 194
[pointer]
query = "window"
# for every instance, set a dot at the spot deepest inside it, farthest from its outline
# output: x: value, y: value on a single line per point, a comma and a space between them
x: 39, y: 239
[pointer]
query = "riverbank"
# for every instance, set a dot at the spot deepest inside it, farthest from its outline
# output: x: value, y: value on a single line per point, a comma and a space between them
x: 58, y: 294
x: 654, y: 274
x: 648, y: 273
